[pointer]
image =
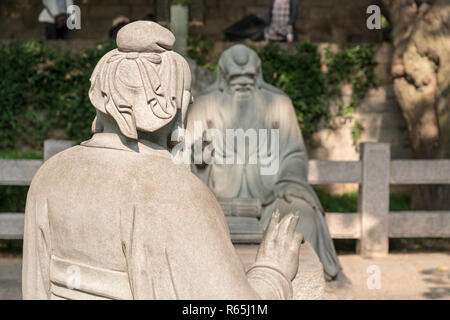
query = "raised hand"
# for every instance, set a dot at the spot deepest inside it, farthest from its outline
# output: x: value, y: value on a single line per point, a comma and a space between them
x: 280, y: 246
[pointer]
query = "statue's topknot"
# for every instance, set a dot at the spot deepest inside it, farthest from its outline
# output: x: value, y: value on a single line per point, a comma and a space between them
x: 144, y: 36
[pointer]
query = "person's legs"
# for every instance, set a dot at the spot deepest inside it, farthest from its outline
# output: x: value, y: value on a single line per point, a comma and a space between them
x: 50, y: 31
x: 64, y: 34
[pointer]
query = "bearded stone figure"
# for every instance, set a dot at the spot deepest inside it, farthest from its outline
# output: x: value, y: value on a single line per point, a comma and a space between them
x: 240, y: 100
x: 116, y: 218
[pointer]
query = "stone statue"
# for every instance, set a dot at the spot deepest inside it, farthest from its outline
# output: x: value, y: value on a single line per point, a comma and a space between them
x: 116, y: 218
x: 240, y: 99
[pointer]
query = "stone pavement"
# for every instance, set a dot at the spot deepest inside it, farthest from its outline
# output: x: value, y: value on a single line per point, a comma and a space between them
x: 10, y: 278
x: 403, y: 276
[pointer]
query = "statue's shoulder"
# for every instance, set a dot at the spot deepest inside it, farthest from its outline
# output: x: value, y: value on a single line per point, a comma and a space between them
x: 278, y: 97
x: 60, y: 159
x: 56, y: 166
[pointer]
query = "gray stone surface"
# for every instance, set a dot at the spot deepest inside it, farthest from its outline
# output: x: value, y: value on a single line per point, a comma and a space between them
x: 327, y: 172
x: 18, y: 172
x: 53, y: 146
x: 309, y: 284
x: 11, y: 226
x: 179, y: 24
x: 420, y: 224
x: 373, y: 199
x: 403, y: 276
x: 420, y: 171
x: 10, y: 278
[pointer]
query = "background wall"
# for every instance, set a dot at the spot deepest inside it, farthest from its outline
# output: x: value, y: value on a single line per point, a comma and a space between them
x: 338, y: 21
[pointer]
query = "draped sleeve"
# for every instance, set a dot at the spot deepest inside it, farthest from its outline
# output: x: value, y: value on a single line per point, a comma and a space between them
x: 293, y: 155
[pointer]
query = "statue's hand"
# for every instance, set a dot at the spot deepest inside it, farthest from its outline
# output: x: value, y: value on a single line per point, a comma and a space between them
x: 280, y: 248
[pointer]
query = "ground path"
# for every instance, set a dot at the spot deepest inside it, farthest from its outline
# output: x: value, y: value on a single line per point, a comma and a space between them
x: 403, y: 276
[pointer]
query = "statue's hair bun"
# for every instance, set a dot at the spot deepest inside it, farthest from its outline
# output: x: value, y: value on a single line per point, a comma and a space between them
x: 144, y: 36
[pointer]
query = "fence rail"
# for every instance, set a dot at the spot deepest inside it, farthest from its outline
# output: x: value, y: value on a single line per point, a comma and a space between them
x: 372, y: 225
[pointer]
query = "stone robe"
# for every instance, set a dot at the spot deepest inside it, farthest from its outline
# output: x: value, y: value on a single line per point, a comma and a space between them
x: 104, y: 221
x: 269, y: 109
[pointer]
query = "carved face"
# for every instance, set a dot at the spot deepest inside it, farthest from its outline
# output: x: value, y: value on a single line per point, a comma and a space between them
x: 239, y: 67
x: 242, y: 85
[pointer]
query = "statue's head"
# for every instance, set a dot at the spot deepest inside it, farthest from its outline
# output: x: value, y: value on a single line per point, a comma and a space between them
x: 239, y: 70
x: 143, y: 85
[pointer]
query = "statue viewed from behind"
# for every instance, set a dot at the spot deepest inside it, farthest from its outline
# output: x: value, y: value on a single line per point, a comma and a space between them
x: 116, y: 218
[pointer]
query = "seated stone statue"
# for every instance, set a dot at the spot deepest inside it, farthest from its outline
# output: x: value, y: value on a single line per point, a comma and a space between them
x: 116, y: 218
x: 241, y: 100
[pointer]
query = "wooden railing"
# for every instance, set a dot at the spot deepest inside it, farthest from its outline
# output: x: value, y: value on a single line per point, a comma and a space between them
x: 372, y: 225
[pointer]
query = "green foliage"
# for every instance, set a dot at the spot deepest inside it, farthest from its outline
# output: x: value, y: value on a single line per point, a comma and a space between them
x: 200, y: 51
x: 13, y: 198
x: 298, y: 73
x: 42, y: 89
x: 354, y: 65
x: 348, y: 202
x: 357, y: 131
x: 17, y: 154
x: 399, y: 202
x: 182, y: 2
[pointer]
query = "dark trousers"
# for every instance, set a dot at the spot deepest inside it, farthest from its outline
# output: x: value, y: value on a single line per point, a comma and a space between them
x: 51, y: 33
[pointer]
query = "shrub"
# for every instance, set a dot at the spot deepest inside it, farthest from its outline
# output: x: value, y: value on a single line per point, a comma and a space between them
x: 42, y: 89
x: 298, y: 73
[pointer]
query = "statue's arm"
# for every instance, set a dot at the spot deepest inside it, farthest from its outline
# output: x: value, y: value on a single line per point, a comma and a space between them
x: 292, y: 150
x: 292, y: 180
x: 277, y: 259
x: 35, y: 264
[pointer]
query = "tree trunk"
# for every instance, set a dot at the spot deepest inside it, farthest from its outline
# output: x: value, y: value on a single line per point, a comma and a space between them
x: 420, y: 70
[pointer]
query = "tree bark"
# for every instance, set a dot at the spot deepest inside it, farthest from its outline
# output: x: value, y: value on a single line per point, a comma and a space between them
x: 420, y: 71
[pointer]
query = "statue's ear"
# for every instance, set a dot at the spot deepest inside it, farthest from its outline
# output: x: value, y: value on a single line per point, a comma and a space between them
x: 221, y: 81
x: 259, y: 78
x: 220, y: 78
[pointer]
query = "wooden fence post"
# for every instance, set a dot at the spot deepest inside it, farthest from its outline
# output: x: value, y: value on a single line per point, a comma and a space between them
x: 52, y: 147
x: 373, y: 199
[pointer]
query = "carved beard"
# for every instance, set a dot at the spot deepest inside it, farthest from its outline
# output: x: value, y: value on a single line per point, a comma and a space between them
x: 243, y: 108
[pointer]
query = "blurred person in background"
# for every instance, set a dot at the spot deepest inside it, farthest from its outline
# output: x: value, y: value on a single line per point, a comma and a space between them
x: 121, y: 21
x: 54, y: 16
x: 281, y: 20
x: 117, y: 24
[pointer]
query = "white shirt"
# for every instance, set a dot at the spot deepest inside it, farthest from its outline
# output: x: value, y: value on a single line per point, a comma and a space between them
x: 52, y: 5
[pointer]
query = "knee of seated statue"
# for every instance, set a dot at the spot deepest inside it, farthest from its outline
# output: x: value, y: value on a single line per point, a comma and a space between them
x: 309, y: 217
x: 309, y: 221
